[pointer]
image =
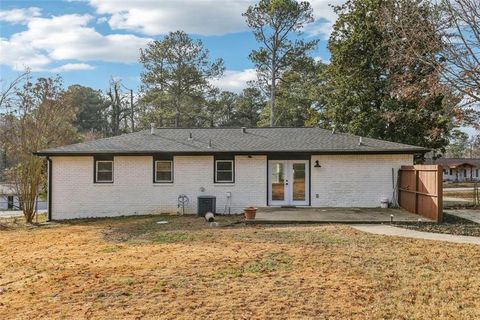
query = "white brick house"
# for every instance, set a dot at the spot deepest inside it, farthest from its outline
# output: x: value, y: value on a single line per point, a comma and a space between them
x: 459, y: 169
x: 147, y: 172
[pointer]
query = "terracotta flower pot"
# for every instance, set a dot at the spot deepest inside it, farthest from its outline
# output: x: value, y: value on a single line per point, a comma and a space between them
x: 250, y: 213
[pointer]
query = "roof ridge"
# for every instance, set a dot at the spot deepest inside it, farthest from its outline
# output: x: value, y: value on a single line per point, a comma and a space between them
x: 230, y: 139
x: 212, y: 128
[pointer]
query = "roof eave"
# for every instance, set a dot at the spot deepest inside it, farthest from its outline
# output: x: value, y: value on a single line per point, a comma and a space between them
x: 150, y: 152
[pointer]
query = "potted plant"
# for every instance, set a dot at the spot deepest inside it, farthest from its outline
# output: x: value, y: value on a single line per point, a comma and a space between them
x: 250, y: 213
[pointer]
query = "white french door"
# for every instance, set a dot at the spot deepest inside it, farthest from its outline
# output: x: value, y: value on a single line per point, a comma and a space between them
x: 288, y: 182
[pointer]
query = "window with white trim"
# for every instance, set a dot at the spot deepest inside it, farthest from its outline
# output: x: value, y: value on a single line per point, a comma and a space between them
x: 224, y: 171
x: 163, y: 171
x: 104, y: 171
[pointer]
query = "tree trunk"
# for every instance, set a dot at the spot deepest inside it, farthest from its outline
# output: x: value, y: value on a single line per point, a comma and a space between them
x: 273, y: 85
x: 272, y: 101
x: 177, y: 113
x: 132, y: 112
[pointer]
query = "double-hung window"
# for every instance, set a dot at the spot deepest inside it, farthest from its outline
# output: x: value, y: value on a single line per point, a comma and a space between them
x: 163, y: 171
x: 224, y: 171
x: 104, y: 170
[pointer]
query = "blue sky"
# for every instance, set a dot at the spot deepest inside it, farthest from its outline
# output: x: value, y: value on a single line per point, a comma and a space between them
x: 89, y: 41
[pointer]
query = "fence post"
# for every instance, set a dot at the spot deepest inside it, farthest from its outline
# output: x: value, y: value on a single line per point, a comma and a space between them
x: 399, y: 185
x: 416, y: 190
x: 439, y: 193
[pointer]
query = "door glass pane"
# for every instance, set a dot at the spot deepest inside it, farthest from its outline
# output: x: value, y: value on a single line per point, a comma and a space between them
x: 278, y: 182
x: 299, y: 181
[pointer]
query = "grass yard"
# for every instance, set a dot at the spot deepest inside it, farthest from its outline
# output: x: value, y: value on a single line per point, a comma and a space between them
x: 133, y: 268
x: 453, y: 184
x: 468, y: 195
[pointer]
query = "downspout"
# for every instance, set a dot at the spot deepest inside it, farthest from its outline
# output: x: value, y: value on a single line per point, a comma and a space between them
x: 49, y: 195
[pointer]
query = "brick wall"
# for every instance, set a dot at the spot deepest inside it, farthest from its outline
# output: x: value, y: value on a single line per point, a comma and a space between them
x: 354, y: 180
x: 342, y: 181
x: 133, y: 191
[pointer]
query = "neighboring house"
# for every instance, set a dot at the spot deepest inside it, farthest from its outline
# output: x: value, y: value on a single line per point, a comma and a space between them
x: 149, y: 171
x: 459, y: 169
x: 9, y: 199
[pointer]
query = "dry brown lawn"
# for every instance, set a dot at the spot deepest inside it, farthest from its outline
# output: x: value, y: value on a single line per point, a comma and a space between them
x: 468, y: 195
x: 133, y: 268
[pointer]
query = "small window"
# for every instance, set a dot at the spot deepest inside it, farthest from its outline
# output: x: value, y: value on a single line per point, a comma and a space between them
x: 10, y: 202
x: 104, y: 171
x: 476, y: 171
x: 164, y: 171
x: 465, y: 173
x: 224, y: 171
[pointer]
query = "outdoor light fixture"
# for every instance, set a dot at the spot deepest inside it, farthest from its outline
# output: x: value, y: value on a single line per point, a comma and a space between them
x: 317, y: 164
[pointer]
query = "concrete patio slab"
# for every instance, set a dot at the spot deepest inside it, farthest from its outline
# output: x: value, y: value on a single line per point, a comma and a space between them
x: 334, y: 215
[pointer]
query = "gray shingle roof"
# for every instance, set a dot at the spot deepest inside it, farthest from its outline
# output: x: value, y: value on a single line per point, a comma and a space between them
x: 454, y: 162
x: 255, y: 140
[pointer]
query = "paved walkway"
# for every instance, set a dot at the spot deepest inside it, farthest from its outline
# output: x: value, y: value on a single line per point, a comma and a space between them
x: 407, y: 233
x: 15, y: 213
x: 458, y: 189
x: 469, y: 214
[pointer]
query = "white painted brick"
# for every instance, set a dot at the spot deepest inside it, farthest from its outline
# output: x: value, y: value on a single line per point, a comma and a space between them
x: 133, y: 191
x: 354, y: 180
x: 342, y: 181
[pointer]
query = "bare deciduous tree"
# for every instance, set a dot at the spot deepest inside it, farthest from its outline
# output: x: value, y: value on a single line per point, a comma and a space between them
x: 117, y: 110
x: 42, y: 120
x: 462, y: 49
x: 444, y: 36
x: 8, y: 90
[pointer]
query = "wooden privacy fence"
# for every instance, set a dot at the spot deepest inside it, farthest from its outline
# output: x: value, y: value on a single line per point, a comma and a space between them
x: 420, y: 190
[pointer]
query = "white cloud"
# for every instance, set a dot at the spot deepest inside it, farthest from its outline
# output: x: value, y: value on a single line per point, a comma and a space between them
x: 66, y: 37
x: 73, y: 67
x: 203, y: 17
x: 19, y: 56
x: 235, y: 81
x: 21, y: 15
x: 321, y: 59
x: 325, y: 17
